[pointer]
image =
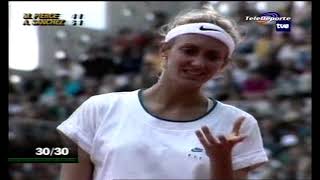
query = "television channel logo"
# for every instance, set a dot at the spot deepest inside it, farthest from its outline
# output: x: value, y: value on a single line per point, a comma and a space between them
x: 283, y: 26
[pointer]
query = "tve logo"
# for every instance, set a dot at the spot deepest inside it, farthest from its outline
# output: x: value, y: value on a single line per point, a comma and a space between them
x: 283, y: 26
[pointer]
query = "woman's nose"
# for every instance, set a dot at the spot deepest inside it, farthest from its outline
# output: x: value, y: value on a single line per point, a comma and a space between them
x: 198, y: 62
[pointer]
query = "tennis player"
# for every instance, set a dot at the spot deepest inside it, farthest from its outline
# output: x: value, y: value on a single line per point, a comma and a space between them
x: 170, y: 130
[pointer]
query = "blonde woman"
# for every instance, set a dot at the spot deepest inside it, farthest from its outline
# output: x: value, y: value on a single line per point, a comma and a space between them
x: 170, y: 130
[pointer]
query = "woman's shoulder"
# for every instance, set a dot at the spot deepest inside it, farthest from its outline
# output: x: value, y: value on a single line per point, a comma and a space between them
x: 111, y: 97
x: 233, y: 111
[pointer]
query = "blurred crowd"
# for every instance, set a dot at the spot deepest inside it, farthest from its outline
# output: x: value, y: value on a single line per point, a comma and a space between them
x: 270, y: 77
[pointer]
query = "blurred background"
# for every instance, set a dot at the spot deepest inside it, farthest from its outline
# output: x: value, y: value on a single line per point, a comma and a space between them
x: 53, y: 69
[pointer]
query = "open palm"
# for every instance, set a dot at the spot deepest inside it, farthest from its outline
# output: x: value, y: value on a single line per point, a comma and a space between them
x: 220, y: 146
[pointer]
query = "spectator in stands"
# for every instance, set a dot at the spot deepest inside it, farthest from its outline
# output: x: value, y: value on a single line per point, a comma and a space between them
x: 256, y: 85
x: 69, y: 68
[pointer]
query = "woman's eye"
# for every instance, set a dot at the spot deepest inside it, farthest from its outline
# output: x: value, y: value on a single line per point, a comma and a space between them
x: 217, y: 60
x: 214, y: 58
x: 189, y: 51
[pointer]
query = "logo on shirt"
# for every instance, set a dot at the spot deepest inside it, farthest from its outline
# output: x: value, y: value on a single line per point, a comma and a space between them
x: 196, y: 149
x: 196, y: 154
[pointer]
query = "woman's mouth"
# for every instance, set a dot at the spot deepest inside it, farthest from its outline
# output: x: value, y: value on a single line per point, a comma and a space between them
x: 194, y: 73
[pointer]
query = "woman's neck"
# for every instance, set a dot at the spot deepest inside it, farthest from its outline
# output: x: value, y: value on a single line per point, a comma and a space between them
x: 170, y: 95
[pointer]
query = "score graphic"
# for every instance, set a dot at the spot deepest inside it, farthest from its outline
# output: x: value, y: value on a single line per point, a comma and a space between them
x: 79, y: 17
x: 50, y: 19
x: 43, y: 19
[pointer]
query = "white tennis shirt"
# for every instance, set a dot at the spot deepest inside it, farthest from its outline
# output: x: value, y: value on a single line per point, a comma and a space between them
x: 125, y: 141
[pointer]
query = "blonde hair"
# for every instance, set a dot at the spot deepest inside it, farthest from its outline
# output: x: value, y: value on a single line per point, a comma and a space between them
x: 206, y: 14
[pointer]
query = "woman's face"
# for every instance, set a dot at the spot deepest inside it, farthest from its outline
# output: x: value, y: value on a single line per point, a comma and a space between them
x: 193, y: 59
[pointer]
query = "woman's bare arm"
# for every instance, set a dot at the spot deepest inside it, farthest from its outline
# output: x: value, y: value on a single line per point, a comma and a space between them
x: 79, y: 171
